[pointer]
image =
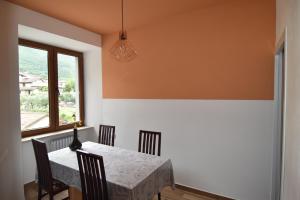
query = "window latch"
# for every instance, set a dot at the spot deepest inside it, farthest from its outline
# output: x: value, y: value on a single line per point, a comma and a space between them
x: 57, y: 91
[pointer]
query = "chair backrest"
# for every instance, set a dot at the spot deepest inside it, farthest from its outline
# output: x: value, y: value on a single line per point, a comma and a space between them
x: 148, y: 140
x: 107, y: 135
x: 92, y: 175
x: 43, y: 165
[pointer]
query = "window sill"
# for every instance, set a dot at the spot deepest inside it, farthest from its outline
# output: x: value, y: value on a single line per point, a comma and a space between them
x: 47, y: 135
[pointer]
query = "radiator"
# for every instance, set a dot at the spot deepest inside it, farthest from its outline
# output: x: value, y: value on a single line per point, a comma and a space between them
x: 60, y: 143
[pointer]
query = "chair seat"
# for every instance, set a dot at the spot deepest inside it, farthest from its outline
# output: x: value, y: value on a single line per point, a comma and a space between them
x: 59, y: 186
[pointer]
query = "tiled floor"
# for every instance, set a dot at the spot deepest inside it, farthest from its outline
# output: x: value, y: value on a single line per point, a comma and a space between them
x: 167, y: 194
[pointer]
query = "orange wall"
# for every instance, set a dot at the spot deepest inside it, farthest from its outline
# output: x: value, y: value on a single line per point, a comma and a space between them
x: 225, y: 51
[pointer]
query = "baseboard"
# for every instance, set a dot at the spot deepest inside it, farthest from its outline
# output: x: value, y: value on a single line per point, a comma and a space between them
x: 182, y: 187
x: 196, y: 191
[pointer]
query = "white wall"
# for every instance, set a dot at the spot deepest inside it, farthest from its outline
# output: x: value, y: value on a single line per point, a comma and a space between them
x: 93, y: 89
x: 223, y: 147
x: 288, y: 15
x: 58, y: 33
x: 49, y: 24
x: 281, y: 17
x: 10, y: 142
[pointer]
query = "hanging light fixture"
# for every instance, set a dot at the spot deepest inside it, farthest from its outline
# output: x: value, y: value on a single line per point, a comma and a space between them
x: 122, y: 50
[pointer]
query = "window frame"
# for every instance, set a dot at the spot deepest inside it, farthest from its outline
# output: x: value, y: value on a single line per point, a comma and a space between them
x: 53, y: 91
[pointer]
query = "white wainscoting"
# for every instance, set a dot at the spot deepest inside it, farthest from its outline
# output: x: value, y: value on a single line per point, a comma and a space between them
x: 219, y: 146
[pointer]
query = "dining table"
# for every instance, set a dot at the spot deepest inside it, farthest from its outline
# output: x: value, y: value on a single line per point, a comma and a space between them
x: 130, y: 175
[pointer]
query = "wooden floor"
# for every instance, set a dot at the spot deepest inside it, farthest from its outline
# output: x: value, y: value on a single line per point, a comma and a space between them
x: 167, y: 194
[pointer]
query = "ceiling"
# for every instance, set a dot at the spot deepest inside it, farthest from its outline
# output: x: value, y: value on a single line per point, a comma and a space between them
x: 104, y: 16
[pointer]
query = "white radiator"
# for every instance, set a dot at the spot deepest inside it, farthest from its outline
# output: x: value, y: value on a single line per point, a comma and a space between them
x: 60, y: 143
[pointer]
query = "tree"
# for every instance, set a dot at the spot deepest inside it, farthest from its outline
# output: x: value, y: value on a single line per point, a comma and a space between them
x: 70, y: 86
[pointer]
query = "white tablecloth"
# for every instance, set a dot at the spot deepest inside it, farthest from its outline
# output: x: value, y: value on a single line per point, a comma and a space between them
x: 130, y: 175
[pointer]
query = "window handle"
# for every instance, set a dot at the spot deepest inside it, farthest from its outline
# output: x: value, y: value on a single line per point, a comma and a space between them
x: 57, y: 91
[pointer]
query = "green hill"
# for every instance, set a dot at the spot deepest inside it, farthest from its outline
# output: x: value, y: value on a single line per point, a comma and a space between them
x: 35, y: 62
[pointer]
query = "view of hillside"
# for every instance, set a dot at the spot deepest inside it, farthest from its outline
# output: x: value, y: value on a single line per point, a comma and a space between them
x: 33, y: 62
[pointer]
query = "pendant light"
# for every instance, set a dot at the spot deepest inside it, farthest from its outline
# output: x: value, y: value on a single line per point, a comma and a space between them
x: 122, y: 50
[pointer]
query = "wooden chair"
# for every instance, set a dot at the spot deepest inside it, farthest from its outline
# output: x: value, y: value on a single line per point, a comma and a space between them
x: 147, y: 144
x: 45, y: 181
x: 92, y: 175
x: 107, y: 135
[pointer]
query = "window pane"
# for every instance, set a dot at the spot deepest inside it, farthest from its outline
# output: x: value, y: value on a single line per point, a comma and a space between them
x: 68, y: 88
x: 33, y: 81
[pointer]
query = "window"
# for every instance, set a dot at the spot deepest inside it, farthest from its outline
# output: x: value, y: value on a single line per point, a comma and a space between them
x: 51, y: 88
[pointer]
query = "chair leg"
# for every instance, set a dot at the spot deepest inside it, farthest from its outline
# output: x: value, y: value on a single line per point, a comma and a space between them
x: 39, y: 193
x: 158, y: 196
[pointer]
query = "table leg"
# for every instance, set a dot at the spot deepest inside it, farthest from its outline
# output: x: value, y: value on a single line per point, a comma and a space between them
x: 75, y: 194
